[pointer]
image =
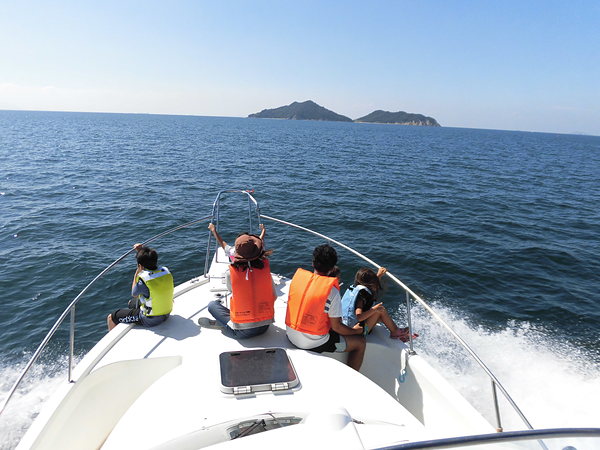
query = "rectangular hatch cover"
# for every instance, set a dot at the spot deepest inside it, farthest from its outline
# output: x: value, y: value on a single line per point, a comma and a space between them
x: 248, y: 371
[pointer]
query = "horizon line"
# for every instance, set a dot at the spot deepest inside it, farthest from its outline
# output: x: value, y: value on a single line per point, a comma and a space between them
x: 574, y: 133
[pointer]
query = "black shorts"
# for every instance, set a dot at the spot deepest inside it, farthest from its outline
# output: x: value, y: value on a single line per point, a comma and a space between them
x: 126, y: 315
x: 328, y: 346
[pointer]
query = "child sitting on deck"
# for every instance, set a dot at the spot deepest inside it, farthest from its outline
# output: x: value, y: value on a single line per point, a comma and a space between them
x: 358, y: 309
x: 253, y: 293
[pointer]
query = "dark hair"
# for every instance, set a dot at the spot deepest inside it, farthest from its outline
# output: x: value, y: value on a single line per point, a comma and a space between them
x: 324, y: 259
x: 147, y: 257
x: 368, y: 278
x: 255, y: 264
x: 336, y: 272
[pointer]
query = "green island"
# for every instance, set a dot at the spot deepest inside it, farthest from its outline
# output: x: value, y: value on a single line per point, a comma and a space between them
x: 400, y: 118
x: 309, y: 110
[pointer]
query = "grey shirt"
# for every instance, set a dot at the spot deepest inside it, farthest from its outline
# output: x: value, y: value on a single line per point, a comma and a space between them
x: 140, y: 289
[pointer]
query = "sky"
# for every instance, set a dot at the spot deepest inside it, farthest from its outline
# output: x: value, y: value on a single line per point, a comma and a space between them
x: 514, y: 65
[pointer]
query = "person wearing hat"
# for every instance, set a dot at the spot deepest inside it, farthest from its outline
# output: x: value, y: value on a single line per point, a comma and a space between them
x: 229, y: 250
x: 253, y: 293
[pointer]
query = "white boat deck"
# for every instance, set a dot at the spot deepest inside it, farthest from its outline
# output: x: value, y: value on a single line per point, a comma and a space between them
x: 160, y: 387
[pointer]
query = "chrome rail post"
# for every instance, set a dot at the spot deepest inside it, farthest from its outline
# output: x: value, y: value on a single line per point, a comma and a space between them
x: 71, y: 343
x: 411, y: 350
x: 207, y: 253
x: 214, y: 217
x: 249, y: 215
x: 496, y: 408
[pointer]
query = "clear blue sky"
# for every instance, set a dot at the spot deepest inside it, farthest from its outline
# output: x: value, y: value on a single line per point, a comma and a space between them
x: 519, y: 65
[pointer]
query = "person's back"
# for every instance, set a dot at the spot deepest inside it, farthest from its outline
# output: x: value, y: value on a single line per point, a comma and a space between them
x: 253, y: 293
x: 160, y: 296
x: 153, y: 288
x: 358, y: 309
x: 313, y: 316
x: 306, y: 311
x: 349, y: 302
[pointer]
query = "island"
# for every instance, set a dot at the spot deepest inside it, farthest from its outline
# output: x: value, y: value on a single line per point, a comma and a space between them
x: 399, y: 118
x: 307, y: 110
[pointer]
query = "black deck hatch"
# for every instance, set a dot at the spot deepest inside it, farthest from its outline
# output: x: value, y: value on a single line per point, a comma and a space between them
x: 248, y: 371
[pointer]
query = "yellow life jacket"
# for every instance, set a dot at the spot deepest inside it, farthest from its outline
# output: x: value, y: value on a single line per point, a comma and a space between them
x: 160, y: 285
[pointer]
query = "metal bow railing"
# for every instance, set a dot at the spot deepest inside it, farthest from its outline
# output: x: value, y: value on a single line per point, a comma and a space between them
x: 409, y: 295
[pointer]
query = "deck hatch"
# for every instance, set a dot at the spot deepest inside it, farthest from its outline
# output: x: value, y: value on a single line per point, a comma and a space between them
x: 248, y: 371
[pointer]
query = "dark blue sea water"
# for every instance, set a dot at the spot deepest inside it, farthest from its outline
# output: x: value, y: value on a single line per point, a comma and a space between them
x: 499, y: 230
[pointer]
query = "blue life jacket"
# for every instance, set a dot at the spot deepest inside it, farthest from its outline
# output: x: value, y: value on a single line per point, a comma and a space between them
x: 349, y: 304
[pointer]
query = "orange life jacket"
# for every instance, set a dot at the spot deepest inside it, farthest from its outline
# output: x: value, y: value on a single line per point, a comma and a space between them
x: 253, y: 297
x: 306, y: 302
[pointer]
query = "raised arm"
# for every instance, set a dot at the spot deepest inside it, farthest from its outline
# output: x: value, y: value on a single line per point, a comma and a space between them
x: 137, y: 248
x: 211, y: 227
x: 263, y: 230
x: 135, y: 275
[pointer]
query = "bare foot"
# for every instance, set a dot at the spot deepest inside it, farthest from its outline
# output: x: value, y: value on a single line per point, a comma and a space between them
x: 406, y: 338
x: 402, y: 334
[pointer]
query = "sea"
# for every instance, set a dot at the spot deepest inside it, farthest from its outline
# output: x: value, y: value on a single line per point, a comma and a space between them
x: 498, y: 231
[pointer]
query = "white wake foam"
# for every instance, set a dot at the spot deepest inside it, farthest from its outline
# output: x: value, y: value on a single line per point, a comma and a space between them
x: 554, y: 384
x: 25, y: 404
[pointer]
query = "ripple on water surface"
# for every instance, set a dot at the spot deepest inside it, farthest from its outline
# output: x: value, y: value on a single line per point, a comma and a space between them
x: 504, y: 225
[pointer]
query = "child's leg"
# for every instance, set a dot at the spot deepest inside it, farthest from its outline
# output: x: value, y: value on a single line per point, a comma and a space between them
x: 387, y: 321
x: 373, y: 320
x: 395, y: 332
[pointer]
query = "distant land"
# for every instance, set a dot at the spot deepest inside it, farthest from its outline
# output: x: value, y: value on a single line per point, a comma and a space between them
x: 400, y: 117
x: 309, y: 110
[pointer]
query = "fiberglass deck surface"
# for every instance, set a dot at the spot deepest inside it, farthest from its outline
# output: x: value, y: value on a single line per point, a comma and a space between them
x: 188, y: 397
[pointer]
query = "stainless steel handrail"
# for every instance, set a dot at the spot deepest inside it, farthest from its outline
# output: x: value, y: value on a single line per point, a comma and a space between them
x: 429, y: 310
x: 71, y: 310
x: 216, y: 215
x: 496, y: 438
x: 409, y: 293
